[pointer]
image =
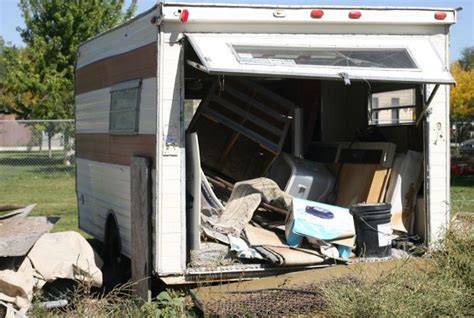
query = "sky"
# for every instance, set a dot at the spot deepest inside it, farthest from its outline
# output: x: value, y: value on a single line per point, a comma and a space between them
x: 462, y: 33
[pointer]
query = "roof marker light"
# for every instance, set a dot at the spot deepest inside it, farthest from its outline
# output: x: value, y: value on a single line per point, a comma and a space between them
x: 279, y: 13
x: 440, y: 15
x: 184, y: 15
x: 317, y: 14
x: 355, y: 14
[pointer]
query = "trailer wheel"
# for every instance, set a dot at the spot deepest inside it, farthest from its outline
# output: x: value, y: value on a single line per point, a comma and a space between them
x: 115, y: 269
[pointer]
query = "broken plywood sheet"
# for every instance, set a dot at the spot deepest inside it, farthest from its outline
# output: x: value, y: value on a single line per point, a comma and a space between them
x: 18, y: 211
x: 9, y: 207
x: 362, y: 183
x: 19, y: 234
x: 354, y: 183
x: 378, y: 187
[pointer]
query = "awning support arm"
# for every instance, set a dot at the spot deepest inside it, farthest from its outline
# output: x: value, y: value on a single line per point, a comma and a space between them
x: 427, y: 103
x: 197, y: 66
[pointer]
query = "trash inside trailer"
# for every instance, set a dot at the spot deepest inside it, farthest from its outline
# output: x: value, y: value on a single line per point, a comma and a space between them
x: 236, y: 141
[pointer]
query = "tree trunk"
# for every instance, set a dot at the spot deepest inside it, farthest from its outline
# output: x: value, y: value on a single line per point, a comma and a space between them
x: 50, y: 153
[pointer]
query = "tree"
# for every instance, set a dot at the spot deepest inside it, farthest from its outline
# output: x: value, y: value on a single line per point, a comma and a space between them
x: 2, y: 64
x: 467, y: 58
x: 39, y: 80
x: 462, y: 94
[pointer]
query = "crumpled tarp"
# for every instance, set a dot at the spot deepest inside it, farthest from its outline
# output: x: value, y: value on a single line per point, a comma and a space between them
x: 66, y: 255
x: 243, y: 202
x: 55, y: 255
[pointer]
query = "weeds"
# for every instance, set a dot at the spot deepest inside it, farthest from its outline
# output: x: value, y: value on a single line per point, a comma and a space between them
x: 119, y: 302
x: 441, y: 286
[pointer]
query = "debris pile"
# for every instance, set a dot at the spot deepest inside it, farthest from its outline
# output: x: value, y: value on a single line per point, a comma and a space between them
x: 30, y: 257
x: 249, y: 194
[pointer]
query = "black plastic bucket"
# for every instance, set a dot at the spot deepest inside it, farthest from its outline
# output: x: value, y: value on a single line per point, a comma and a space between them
x: 373, y: 229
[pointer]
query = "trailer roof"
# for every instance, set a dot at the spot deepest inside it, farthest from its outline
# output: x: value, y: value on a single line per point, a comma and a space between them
x: 298, y: 6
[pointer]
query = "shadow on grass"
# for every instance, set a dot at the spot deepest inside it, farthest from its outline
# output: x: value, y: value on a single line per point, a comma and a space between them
x: 54, y: 170
x: 30, y: 161
x: 462, y: 181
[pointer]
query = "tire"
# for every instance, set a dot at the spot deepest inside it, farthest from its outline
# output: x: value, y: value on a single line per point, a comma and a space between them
x: 116, y: 269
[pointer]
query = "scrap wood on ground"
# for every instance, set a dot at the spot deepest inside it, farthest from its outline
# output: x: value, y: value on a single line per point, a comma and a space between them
x: 31, y: 257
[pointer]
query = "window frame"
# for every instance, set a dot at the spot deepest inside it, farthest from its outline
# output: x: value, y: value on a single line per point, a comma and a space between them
x: 215, y: 55
x: 235, y: 46
x: 373, y: 113
x: 120, y: 87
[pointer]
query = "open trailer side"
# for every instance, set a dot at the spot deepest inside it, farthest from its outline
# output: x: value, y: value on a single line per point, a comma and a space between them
x: 138, y: 85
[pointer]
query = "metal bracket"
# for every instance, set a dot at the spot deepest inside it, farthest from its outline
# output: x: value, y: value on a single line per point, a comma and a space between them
x: 426, y: 109
x: 157, y: 19
x: 345, y: 77
x: 197, y: 66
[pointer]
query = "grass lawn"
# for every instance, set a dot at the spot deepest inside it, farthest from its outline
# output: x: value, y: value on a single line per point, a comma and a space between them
x: 462, y: 194
x: 27, y: 178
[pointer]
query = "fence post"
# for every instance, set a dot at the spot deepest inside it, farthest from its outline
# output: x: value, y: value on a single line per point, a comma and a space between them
x: 140, y: 169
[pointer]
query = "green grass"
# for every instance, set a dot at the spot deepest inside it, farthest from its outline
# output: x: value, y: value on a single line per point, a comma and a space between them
x: 462, y: 194
x: 27, y: 178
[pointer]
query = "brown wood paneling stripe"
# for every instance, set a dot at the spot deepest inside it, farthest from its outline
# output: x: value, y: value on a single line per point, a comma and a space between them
x: 116, y: 149
x: 138, y: 63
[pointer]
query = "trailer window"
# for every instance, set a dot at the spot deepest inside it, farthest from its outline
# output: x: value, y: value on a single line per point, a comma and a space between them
x: 124, y: 107
x: 393, y: 107
x: 378, y: 58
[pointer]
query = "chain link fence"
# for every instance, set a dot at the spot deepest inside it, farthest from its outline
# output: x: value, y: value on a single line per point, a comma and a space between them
x: 36, y: 147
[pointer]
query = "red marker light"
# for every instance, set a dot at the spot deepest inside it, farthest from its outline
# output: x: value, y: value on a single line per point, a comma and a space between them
x: 440, y: 15
x: 184, y: 16
x: 317, y: 14
x: 355, y: 14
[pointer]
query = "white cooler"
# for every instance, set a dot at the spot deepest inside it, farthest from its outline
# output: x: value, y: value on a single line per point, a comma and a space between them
x: 302, y: 178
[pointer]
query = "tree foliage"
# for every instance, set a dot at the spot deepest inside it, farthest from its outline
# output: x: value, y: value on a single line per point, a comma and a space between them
x: 467, y: 58
x: 39, y: 79
x: 462, y: 94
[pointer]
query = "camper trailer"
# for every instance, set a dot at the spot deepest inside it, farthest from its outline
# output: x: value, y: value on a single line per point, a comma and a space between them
x: 327, y: 102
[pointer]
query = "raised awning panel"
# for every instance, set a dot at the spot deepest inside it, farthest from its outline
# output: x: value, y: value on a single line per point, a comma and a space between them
x: 354, y: 57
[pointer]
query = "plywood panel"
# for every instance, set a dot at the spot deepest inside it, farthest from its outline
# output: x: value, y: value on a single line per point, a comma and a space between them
x: 354, y: 183
x: 19, y: 234
x: 378, y: 186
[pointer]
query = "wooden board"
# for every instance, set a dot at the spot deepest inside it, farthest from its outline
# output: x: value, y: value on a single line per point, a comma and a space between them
x: 378, y: 187
x: 19, y: 234
x: 140, y: 179
x: 241, y: 127
x: 354, y: 183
